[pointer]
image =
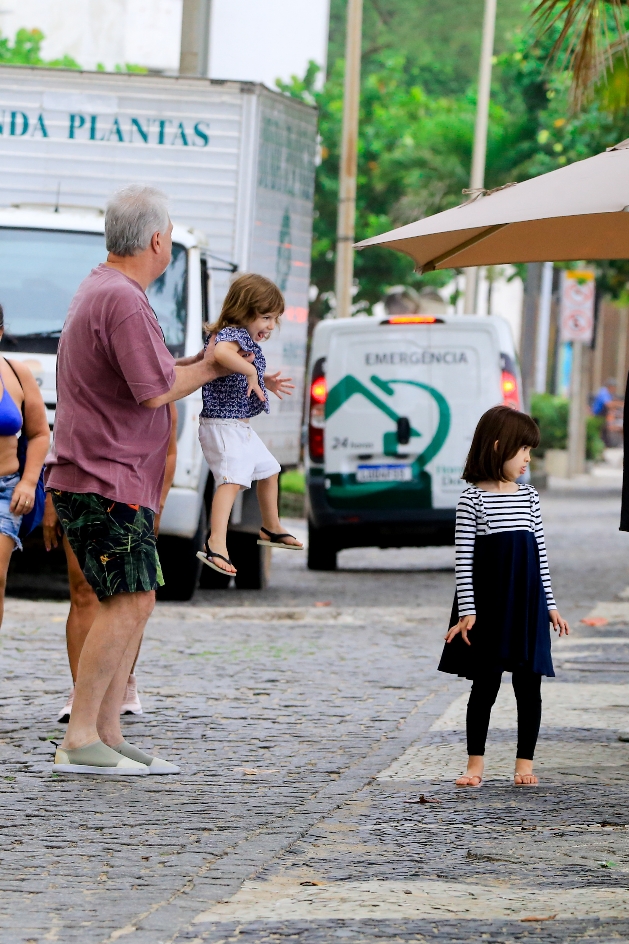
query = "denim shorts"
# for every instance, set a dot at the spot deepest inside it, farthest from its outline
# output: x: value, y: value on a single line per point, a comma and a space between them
x: 9, y: 523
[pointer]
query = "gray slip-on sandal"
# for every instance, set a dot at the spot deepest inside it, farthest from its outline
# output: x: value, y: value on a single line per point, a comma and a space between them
x: 97, y: 758
x: 155, y: 764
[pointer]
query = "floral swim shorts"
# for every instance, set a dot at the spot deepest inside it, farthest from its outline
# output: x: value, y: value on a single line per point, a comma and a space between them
x: 114, y: 542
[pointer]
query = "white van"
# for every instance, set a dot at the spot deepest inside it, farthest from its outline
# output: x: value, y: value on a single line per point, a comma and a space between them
x: 394, y: 402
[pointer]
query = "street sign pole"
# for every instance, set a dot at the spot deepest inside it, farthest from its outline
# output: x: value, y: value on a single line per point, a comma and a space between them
x: 477, y: 177
x: 346, y: 218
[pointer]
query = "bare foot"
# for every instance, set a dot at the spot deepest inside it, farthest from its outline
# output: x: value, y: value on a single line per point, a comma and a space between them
x: 473, y: 776
x: 287, y: 539
x: 524, y: 776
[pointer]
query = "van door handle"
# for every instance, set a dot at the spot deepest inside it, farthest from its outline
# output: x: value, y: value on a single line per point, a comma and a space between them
x: 403, y: 430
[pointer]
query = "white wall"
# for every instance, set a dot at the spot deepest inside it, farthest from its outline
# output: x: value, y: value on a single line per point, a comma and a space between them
x: 113, y: 32
x: 255, y: 40
x: 262, y: 40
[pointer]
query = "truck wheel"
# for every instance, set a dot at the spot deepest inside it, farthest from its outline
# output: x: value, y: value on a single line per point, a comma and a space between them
x: 180, y: 564
x: 321, y: 555
x: 252, y: 562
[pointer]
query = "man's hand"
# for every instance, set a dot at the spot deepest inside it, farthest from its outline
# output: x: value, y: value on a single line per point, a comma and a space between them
x: 559, y: 623
x: 50, y: 525
x: 280, y: 386
x: 463, y: 626
x: 216, y: 370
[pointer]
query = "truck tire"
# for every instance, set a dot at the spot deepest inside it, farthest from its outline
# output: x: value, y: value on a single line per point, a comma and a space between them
x: 180, y: 565
x: 252, y: 561
x: 321, y: 554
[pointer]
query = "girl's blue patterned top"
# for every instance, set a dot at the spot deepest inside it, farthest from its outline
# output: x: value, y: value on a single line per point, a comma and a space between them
x: 226, y: 397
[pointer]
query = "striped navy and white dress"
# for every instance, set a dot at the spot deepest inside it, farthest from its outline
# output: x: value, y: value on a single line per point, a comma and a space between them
x: 502, y: 577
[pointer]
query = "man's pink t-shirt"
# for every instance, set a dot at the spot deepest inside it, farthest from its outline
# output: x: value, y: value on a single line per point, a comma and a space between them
x: 112, y: 357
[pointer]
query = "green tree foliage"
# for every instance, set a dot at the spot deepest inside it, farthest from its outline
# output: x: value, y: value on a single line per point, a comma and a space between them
x: 26, y: 51
x: 441, y: 39
x: 417, y: 122
x: 414, y: 156
x: 551, y: 415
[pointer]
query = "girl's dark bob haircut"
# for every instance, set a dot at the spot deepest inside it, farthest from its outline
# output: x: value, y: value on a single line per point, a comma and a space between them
x: 501, y: 431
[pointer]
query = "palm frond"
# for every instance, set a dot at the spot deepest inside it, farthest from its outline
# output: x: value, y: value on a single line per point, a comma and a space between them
x: 584, y: 44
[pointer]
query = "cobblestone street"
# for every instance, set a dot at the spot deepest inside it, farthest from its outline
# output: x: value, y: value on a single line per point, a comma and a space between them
x: 318, y: 747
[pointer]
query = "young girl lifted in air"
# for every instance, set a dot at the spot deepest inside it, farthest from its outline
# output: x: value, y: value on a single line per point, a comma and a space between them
x: 234, y: 452
x: 504, y: 602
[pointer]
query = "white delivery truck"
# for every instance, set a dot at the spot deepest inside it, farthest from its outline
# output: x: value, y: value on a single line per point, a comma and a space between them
x: 394, y: 402
x: 237, y: 162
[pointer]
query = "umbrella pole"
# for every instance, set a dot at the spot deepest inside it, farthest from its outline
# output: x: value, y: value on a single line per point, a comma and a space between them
x: 477, y: 178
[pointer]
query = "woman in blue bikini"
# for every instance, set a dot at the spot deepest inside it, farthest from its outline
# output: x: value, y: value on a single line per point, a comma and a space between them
x: 22, y: 412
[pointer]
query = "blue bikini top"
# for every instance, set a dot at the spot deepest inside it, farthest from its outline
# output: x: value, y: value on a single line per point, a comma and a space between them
x: 10, y: 416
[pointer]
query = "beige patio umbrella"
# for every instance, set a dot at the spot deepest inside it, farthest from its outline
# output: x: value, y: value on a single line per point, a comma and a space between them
x: 580, y: 211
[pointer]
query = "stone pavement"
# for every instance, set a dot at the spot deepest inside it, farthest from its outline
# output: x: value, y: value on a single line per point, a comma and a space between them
x: 498, y: 863
x: 308, y: 736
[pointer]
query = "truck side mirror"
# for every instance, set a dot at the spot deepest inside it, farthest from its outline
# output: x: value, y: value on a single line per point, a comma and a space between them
x: 403, y: 430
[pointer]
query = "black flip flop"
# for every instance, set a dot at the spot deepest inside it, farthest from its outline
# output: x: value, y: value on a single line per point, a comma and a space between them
x: 207, y: 557
x: 274, y: 541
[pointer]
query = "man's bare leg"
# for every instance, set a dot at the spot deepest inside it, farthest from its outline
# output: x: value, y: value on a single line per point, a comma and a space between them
x: 108, y: 653
x: 83, y: 609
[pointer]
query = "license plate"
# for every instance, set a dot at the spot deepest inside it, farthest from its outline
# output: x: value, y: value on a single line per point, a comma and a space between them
x: 384, y: 473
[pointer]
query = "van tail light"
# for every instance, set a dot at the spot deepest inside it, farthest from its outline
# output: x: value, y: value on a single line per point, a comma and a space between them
x: 510, y: 392
x: 316, y: 425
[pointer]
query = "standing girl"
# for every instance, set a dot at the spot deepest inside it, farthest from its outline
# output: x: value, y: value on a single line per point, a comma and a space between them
x: 234, y: 452
x: 504, y: 601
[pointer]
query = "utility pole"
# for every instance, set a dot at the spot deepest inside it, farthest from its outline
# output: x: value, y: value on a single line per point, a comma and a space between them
x: 195, y: 37
x: 477, y: 177
x: 346, y: 219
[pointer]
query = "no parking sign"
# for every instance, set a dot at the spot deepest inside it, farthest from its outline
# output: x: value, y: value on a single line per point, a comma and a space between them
x: 577, y: 305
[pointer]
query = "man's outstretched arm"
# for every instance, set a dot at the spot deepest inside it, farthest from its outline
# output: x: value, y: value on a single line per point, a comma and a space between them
x: 190, y: 374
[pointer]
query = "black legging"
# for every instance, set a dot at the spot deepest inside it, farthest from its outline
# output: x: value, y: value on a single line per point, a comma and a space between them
x: 527, y: 688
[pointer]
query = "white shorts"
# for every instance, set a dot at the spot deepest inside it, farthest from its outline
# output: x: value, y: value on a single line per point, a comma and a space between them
x: 235, y: 453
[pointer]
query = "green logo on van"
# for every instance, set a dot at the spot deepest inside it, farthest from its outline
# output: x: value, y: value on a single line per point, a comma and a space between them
x: 349, y: 385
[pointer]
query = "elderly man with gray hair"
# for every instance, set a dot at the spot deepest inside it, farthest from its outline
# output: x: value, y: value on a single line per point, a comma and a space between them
x: 115, y: 381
